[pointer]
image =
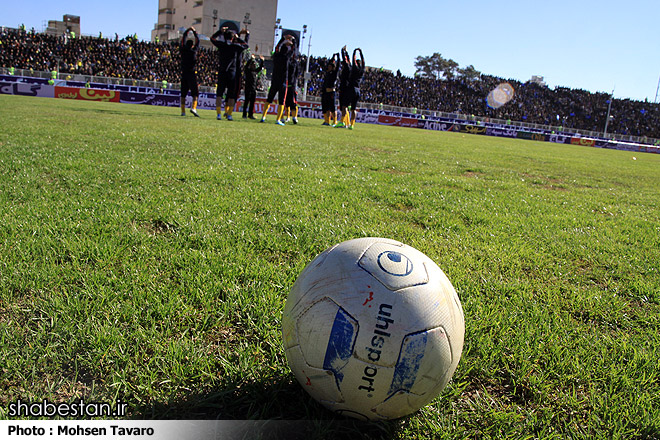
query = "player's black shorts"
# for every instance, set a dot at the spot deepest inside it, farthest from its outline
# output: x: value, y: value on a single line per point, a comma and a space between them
x: 277, y: 87
x: 227, y: 81
x: 345, y: 97
x: 328, y: 102
x: 291, y: 97
x: 354, y: 97
x: 189, y: 85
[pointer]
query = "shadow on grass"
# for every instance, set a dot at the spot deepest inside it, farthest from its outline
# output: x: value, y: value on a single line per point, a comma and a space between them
x: 176, y: 113
x: 90, y: 109
x: 294, y: 413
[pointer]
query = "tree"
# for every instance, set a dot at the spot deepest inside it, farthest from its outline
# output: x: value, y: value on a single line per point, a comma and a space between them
x: 427, y: 67
x: 449, y: 69
x: 469, y: 73
x: 435, y: 66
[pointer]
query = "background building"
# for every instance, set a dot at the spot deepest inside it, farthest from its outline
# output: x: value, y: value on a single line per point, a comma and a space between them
x: 69, y: 23
x: 537, y: 79
x: 259, y: 16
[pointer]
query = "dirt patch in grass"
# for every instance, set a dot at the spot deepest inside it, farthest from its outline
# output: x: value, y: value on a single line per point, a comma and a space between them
x: 376, y: 150
x: 156, y: 227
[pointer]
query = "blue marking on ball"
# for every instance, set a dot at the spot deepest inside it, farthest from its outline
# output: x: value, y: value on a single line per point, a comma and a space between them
x: 340, y: 344
x: 410, y: 359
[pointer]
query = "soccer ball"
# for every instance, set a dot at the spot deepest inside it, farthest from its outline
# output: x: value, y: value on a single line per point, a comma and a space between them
x: 373, y: 329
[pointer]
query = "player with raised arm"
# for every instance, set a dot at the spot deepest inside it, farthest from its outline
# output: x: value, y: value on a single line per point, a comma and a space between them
x: 357, y: 72
x: 328, y: 93
x: 188, y: 50
x: 230, y: 47
x: 344, y: 88
x: 281, y: 57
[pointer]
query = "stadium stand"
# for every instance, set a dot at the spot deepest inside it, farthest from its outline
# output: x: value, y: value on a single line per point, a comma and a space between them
x: 145, y: 61
x: 533, y: 103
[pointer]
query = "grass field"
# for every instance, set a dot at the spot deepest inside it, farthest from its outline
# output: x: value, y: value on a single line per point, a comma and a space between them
x: 147, y: 257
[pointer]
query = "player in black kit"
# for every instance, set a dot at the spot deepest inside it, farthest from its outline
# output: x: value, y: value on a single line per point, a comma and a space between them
x: 344, y: 88
x: 328, y: 91
x: 281, y: 56
x: 357, y: 72
x: 250, y: 72
x: 230, y: 47
x: 188, y: 51
x: 293, y: 71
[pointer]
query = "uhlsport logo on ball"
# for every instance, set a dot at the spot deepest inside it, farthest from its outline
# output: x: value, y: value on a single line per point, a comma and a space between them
x: 373, y: 329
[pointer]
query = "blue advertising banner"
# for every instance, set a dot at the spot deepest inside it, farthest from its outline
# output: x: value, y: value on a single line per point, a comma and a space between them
x: 27, y: 89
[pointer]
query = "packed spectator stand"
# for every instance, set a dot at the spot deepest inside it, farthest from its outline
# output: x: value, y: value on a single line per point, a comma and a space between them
x: 533, y: 103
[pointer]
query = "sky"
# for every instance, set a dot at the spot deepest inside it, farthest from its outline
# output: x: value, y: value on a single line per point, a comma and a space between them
x: 595, y: 45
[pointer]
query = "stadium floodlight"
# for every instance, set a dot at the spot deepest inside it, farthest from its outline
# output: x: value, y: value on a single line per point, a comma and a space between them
x: 307, y: 75
x: 277, y: 28
x: 302, y: 39
x: 609, y: 109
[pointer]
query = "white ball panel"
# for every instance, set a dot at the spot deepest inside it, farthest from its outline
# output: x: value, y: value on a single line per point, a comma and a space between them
x: 319, y: 383
x: 395, y: 266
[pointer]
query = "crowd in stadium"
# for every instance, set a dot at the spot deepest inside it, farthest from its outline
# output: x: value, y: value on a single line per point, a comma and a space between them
x: 533, y: 103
